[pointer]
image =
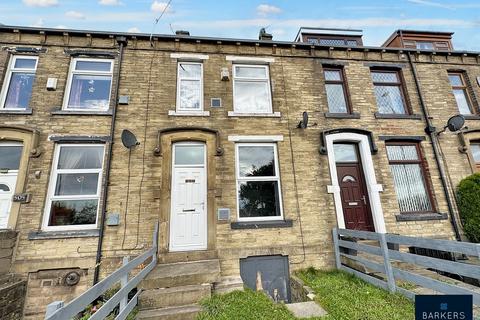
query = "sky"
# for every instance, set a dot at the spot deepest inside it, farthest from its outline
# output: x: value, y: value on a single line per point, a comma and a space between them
x: 243, y: 19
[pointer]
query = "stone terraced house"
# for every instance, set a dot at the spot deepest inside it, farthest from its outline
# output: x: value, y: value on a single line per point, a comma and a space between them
x: 238, y: 185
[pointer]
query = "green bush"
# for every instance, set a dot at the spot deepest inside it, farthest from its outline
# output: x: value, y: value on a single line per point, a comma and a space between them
x: 468, y: 195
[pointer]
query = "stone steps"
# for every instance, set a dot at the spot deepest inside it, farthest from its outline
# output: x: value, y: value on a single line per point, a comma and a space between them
x: 172, y: 291
x: 172, y: 313
x: 175, y: 296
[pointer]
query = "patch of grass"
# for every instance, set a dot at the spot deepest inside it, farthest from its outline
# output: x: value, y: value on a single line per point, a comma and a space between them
x: 345, y: 296
x: 245, y: 305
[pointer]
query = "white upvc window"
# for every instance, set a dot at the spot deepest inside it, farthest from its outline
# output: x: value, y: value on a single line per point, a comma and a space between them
x: 18, y: 82
x: 259, y: 195
x: 73, y: 197
x: 251, y: 89
x: 89, y: 85
x: 190, y: 87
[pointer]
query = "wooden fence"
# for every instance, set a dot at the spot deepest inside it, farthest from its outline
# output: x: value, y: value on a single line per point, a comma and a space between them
x: 344, y: 238
x: 57, y: 310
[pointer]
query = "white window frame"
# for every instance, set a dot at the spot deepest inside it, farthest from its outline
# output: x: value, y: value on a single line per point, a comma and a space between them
x: 53, y: 182
x: 73, y: 72
x: 246, y: 79
x: 8, y: 77
x: 239, y: 179
x: 179, y: 79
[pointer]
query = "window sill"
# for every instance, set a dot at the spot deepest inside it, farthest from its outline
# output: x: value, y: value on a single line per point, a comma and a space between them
x: 354, y: 115
x: 397, y: 116
x: 59, y: 112
x: 264, y: 115
x: 421, y: 216
x: 16, y: 111
x: 44, y: 235
x: 189, y: 113
x: 471, y: 116
x: 261, y: 224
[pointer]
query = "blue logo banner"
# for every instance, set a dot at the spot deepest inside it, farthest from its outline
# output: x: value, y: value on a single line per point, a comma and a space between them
x: 443, y: 307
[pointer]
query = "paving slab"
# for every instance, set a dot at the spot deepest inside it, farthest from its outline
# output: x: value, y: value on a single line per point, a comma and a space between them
x: 306, y: 309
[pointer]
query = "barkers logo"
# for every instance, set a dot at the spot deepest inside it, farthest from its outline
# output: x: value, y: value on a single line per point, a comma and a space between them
x: 443, y: 307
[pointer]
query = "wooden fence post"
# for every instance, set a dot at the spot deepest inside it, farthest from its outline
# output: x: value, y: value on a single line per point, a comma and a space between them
x: 123, y: 283
x: 386, y: 262
x: 52, y: 307
x: 336, y: 248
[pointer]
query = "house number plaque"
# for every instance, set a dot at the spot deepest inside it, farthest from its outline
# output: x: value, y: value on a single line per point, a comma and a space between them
x: 22, y: 197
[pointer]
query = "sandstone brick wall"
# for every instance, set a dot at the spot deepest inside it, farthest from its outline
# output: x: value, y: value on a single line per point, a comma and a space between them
x: 148, y: 77
x: 12, y: 297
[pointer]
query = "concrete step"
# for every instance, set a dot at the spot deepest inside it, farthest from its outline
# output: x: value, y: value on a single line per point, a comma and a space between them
x: 182, y: 274
x: 174, y: 313
x: 176, y: 296
x: 172, y: 257
x: 228, y: 284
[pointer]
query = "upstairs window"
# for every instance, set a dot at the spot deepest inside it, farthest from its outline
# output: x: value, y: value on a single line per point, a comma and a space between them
x: 424, y: 45
x: 389, y: 92
x: 409, y: 179
x: 190, y: 86
x: 18, y: 82
x: 258, y: 182
x: 74, y: 190
x: 460, y: 91
x: 336, y: 89
x: 251, y: 89
x: 89, y: 85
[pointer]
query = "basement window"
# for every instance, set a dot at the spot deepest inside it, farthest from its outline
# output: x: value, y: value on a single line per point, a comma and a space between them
x: 251, y: 89
x: 18, y: 84
x: 258, y: 182
x: 89, y: 85
x: 74, y: 190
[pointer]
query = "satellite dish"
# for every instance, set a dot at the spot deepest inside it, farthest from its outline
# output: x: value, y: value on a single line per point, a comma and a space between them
x: 304, y: 123
x: 456, y: 123
x: 128, y: 139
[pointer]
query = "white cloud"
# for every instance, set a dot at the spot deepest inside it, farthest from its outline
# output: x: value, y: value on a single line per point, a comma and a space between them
x: 159, y: 7
x: 109, y: 2
x: 450, y: 6
x: 431, y: 4
x: 39, y: 23
x: 134, y: 30
x: 74, y: 15
x: 61, y: 26
x: 40, y: 3
x: 266, y: 9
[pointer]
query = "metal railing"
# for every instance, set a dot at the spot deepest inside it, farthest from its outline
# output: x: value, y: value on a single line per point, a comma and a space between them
x: 57, y: 310
x: 342, y: 238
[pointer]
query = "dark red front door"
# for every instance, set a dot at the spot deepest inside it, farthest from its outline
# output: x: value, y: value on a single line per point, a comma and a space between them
x: 356, y: 208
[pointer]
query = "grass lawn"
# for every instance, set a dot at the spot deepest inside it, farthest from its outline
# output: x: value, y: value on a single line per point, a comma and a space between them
x: 343, y: 296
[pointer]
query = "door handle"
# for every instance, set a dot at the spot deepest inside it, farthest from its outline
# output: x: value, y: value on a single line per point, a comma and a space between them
x: 364, y: 199
x: 188, y: 210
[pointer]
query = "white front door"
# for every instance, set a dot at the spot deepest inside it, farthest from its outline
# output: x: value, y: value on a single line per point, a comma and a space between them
x: 10, y: 154
x: 188, y: 215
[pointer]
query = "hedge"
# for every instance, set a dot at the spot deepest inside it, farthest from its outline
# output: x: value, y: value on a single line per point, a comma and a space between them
x: 468, y: 196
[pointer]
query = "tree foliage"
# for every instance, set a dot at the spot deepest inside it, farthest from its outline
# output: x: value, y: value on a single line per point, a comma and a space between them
x: 468, y: 196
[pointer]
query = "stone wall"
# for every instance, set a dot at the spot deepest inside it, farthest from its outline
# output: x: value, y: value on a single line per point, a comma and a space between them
x: 12, y: 297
